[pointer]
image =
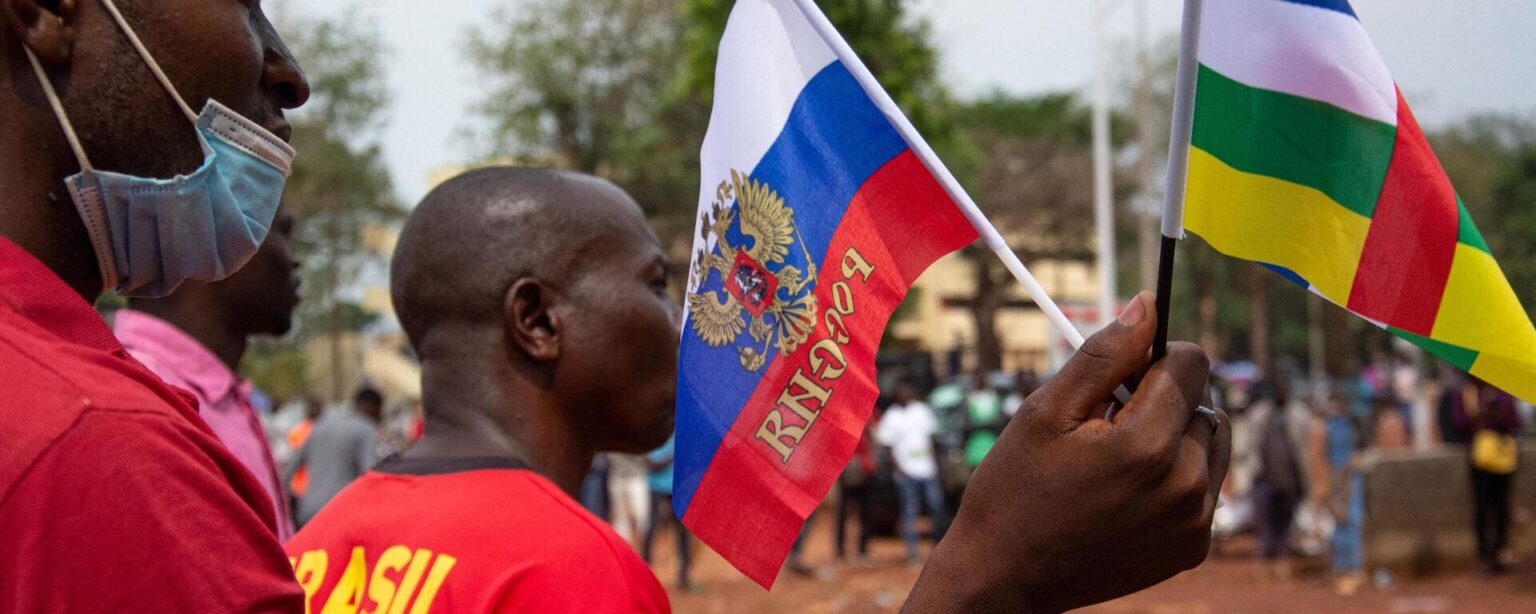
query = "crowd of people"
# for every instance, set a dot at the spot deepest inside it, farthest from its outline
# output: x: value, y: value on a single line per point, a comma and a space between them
x: 1296, y: 456
x: 134, y: 477
x: 1301, y: 446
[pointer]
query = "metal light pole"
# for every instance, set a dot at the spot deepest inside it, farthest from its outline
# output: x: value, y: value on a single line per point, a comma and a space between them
x: 1103, y: 188
x: 1147, y: 209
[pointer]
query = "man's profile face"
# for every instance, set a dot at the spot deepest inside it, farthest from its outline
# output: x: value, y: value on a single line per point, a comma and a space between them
x: 622, y: 340
x: 266, y: 290
x: 226, y: 50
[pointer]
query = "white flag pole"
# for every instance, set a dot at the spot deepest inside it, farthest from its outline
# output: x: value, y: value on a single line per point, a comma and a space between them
x: 1178, y: 165
x: 984, y: 227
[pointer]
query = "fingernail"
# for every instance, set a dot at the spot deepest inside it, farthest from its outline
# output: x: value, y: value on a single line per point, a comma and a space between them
x: 1135, y: 312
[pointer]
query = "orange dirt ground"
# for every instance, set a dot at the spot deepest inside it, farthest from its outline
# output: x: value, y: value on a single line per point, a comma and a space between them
x: 1226, y: 583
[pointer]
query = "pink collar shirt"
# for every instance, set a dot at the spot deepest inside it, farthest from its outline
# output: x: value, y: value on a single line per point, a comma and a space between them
x: 223, y: 398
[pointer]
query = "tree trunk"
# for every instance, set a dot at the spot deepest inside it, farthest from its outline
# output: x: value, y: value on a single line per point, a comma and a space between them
x: 984, y: 305
x: 1316, y: 347
x: 1340, y: 356
x: 1205, y: 301
x: 1258, y: 316
x: 335, y: 317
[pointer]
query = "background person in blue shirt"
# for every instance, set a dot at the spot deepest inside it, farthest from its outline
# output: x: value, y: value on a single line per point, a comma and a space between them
x: 660, y: 481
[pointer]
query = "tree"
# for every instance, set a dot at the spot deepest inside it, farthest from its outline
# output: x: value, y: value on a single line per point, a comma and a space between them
x: 622, y: 88
x: 581, y: 84
x: 895, y: 46
x: 339, y: 185
x: 1028, y: 162
x: 1491, y: 160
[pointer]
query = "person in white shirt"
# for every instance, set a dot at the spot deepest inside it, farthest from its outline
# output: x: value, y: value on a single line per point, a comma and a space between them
x: 629, y: 496
x: 907, y: 428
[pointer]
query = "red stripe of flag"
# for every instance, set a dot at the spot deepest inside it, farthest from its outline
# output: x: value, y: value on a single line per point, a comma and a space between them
x: 900, y: 221
x: 1408, y: 250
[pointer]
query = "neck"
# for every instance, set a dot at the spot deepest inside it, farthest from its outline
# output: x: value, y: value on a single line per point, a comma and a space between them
x: 37, y: 213
x: 208, y: 325
x: 477, y: 405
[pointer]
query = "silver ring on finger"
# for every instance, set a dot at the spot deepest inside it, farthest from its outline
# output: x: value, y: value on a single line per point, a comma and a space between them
x: 1211, y: 415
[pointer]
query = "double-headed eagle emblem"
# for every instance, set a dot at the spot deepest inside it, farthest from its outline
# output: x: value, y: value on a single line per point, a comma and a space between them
x: 761, y: 293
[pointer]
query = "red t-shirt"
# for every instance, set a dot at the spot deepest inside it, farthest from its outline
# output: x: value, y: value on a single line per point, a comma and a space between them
x: 466, y: 535
x: 114, y: 496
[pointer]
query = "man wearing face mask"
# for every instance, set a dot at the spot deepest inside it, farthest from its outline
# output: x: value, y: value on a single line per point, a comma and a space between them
x: 114, y: 494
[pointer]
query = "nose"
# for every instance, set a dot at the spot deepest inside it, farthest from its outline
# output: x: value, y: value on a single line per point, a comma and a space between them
x: 281, y: 75
x: 285, y: 80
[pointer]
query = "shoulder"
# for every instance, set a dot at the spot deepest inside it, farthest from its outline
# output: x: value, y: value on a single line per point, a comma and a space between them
x: 56, y: 395
x: 519, y: 543
x: 354, y: 425
x: 584, y: 535
x: 155, y: 495
x: 107, y: 448
x: 585, y: 553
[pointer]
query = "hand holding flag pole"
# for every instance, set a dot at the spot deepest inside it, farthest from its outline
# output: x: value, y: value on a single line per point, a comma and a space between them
x: 925, y: 153
x: 1178, y: 167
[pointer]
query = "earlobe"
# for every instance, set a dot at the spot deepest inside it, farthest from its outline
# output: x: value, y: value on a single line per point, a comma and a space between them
x: 531, y: 323
x: 46, y: 28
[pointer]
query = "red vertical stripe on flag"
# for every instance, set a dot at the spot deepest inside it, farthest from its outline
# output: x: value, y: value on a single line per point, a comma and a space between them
x: 1408, y: 251
x: 899, y: 222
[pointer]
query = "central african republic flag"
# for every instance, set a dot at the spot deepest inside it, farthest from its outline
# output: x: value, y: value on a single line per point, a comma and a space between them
x: 1306, y: 158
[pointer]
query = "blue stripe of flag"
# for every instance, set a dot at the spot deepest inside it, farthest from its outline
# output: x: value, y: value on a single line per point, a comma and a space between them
x: 1341, y: 6
x: 1288, y: 274
x: 834, y: 140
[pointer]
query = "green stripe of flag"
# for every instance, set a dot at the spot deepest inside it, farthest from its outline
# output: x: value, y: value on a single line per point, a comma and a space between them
x: 1454, y: 354
x: 1466, y: 231
x: 1293, y: 139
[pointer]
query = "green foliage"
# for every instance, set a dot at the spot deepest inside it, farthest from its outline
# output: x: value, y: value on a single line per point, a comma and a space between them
x: 339, y: 184
x: 572, y: 79
x: 278, y: 368
x: 1028, y: 163
x: 895, y: 46
x: 1058, y: 118
x: 338, y: 187
x: 1513, y: 215
x: 342, y: 60
x: 622, y: 88
x: 1491, y: 159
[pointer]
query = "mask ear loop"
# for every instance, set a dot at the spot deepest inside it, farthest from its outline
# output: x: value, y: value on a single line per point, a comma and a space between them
x: 58, y: 110
x: 91, y: 213
x: 154, y: 66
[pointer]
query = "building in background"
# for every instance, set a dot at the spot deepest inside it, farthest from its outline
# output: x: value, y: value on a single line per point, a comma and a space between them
x: 938, y: 319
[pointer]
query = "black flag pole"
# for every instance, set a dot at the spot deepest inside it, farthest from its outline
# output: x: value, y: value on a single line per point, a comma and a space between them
x: 1164, y: 295
x: 1178, y: 167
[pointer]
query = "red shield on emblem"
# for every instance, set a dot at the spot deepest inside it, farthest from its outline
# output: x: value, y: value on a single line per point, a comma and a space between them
x: 751, y: 284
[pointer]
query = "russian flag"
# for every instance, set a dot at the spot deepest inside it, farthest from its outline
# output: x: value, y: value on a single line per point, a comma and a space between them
x: 815, y: 217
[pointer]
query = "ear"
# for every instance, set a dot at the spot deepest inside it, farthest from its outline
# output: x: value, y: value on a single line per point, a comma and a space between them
x: 47, y: 27
x: 532, y: 325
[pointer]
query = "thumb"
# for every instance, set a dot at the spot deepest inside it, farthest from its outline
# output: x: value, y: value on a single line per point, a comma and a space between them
x: 1103, y: 363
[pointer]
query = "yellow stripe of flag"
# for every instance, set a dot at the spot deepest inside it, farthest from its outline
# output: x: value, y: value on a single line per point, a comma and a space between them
x: 1276, y: 222
x: 1479, y: 310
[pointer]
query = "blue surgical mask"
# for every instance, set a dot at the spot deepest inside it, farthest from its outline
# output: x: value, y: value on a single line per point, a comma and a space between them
x: 150, y: 235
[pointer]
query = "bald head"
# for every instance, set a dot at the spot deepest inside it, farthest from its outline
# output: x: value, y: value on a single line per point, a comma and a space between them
x: 474, y: 235
x: 539, y: 287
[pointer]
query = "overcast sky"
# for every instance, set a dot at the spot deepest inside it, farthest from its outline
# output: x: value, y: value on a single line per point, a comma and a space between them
x: 1450, y: 57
